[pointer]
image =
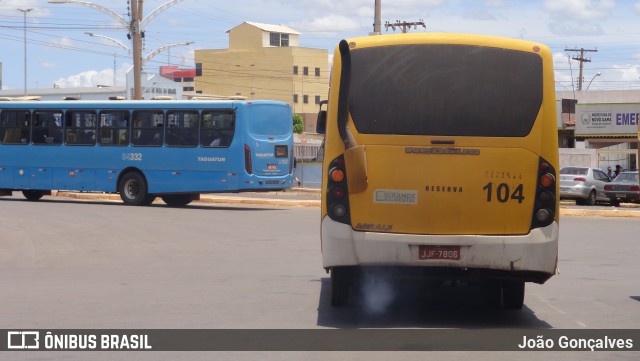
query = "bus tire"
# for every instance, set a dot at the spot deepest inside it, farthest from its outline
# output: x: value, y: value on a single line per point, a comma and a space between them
x: 340, y: 286
x: 32, y: 195
x: 513, y: 295
x: 149, y: 199
x: 177, y: 200
x: 491, y: 294
x: 133, y: 190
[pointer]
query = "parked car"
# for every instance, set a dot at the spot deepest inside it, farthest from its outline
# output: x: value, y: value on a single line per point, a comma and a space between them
x: 584, y: 184
x: 625, y: 188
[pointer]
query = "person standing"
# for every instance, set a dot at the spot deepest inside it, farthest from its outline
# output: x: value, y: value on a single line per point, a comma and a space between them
x: 610, y: 173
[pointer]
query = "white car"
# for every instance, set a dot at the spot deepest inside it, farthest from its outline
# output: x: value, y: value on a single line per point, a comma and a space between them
x: 584, y: 184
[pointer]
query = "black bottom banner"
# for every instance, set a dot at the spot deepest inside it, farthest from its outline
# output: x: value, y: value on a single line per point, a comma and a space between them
x: 321, y: 340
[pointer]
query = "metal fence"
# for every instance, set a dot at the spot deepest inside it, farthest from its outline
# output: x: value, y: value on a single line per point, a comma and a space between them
x: 307, y: 150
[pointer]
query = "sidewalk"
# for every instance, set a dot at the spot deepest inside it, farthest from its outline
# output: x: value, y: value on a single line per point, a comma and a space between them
x: 310, y: 197
x: 295, y: 197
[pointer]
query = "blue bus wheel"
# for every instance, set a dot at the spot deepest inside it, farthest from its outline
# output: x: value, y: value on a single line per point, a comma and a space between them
x: 32, y: 195
x: 133, y: 190
x: 177, y: 200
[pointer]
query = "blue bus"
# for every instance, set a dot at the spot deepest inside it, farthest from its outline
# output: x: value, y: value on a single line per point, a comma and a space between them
x: 171, y: 149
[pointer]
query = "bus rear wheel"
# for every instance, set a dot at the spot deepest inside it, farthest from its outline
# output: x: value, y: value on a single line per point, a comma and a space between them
x: 513, y: 295
x: 177, y: 200
x: 491, y: 294
x: 341, y: 280
x: 133, y: 190
x: 32, y: 195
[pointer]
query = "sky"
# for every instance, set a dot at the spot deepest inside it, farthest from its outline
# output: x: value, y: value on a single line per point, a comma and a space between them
x: 61, y: 54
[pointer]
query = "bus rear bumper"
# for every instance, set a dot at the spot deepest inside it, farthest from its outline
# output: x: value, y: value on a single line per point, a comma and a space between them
x: 530, y: 257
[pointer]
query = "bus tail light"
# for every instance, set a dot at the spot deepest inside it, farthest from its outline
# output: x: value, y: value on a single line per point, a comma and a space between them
x: 247, y: 160
x: 291, y: 161
x: 336, y: 175
x: 337, y: 196
x: 546, y: 199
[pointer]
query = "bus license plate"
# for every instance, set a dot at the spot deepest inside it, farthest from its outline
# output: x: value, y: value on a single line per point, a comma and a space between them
x: 439, y: 252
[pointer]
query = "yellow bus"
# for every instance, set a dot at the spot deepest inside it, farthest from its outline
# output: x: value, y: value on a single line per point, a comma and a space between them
x: 440, y: 162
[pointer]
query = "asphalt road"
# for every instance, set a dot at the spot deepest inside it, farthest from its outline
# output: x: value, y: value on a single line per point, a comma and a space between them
x: 78, y: 264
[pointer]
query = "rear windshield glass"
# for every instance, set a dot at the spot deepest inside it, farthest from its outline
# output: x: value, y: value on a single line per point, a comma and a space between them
x: 627, y: 177
x: 574, y: 171
x: 269, y: 120
x: 445, y: 90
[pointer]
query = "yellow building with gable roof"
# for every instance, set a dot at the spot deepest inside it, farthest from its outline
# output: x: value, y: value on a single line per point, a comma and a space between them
x: 265, y: 61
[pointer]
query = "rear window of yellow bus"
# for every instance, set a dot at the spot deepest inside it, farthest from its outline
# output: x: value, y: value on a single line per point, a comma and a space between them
x: 445, y: 90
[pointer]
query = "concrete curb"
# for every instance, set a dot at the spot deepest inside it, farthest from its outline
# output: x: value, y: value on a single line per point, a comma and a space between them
x: 279, y: 202
x: 259, y: 201
x: 599, y: 213
x: 205, y: 198
x: 87, y: 196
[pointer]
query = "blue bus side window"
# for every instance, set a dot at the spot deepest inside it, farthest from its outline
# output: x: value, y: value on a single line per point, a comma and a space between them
x: 148, y: 128
x: 47, y: 127
x: 182, y: 130
x: 217, y: 128
x: 114, y: 127
x: 80, y: 127
x: 14, y: 126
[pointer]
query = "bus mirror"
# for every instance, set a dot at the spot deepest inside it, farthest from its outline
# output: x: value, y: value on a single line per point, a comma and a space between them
x: 321, y: 123
x: 356, y: 165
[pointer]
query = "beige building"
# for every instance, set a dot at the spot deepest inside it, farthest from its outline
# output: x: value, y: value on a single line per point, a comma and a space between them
x: 266, y: 62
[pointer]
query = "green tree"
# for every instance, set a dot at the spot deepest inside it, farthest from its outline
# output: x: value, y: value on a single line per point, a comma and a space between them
x: 297, y: 124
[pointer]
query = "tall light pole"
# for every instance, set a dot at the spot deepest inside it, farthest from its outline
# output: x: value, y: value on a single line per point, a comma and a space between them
x: 136, y: 29
x: 25, y: 11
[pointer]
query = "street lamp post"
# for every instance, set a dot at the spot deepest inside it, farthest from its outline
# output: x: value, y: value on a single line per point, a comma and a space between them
x: 597, y: 74
x: 25, y: 11
x: 135, y: 26
x: 118, y: 43
x: 143, y: 60
x: 161, y: 49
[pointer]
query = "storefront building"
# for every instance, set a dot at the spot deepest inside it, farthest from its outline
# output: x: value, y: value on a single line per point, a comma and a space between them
x: 607, y: 121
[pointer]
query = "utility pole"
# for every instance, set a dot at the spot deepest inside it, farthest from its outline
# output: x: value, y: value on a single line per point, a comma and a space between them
x: 404, y: 25
x: 377, y: 18
x: 136, y: 39
x: 136, y: 30
x: 582, y: 60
